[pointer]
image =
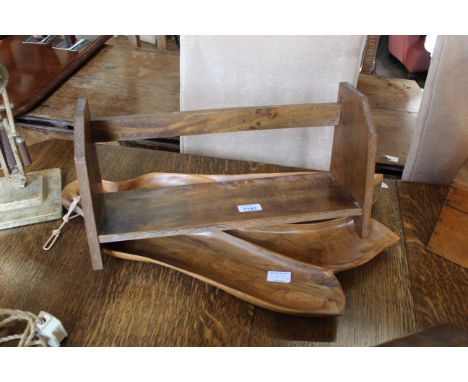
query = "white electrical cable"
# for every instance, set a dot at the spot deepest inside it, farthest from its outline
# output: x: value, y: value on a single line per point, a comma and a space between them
x: 29, y: 337
x: 41, y: 330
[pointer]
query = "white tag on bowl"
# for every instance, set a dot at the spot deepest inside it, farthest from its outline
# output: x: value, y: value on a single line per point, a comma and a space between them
x: 278, y: 277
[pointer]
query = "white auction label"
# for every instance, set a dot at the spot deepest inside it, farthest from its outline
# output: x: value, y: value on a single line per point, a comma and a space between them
x: 391, y: 158
x: 249, y: 207
x: 278, y: 277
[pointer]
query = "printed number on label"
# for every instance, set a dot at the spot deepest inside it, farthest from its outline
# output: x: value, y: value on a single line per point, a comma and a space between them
x: 249, y: 207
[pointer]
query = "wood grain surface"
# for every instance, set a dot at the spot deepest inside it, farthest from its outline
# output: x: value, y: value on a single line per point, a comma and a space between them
x: 395, y: 130
x: 161, y: 42
x: 119, y: 80
x: 36, y: 70
x: 450, y: 236
x: 87, y: 169
x: 139, y: 214
x: 133, y: 304
x: 443, y: 335
x: 395, y: 94
x: 134, y: 41
x: 395, y: 106
x: 332, y: 244
x: 439, y: 287
x: 238, y: 261
x: 379, y: 304
x: 370, y: 52
x: 240, y: 268
x: 155, y: 180
x: 166, y: 125
x: 354, y: 151
x: 150, y: 213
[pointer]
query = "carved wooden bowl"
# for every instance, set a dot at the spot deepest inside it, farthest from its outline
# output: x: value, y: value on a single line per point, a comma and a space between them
x: 287, y: 268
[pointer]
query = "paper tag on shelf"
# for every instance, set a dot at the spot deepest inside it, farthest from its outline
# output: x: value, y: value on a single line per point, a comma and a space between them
x: 249, y: 207
x: 278, y: 277
x: 384, y: 185
x: 391, y: 158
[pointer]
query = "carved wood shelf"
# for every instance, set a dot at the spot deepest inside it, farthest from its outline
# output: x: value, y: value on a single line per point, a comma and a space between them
x: 175, y: 220
x: 345, y: 191
x: 238, y: 260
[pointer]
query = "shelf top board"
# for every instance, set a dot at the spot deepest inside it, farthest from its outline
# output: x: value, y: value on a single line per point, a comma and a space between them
x: 178, y: 210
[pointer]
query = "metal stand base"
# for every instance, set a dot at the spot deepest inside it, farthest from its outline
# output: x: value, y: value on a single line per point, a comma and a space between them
x: 38, y: 202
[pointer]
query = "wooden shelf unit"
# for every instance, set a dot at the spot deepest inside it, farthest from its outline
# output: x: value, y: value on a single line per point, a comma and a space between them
x: 140, y: 214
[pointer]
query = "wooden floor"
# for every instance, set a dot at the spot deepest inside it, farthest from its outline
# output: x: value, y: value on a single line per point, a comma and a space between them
x: 126, y: 80
x: 395, y: 106
x: 404, y: 289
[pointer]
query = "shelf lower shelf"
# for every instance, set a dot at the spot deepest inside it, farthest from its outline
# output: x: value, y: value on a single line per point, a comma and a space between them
x: 140, y: 214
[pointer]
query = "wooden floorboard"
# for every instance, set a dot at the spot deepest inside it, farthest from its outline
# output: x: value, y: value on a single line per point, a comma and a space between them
x: 439, y: 287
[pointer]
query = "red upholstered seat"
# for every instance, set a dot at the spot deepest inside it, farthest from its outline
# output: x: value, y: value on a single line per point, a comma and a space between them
x: 410, y: 51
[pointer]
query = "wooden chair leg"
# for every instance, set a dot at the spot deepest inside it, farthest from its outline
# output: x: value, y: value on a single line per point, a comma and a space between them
x: 134, y: 41
x: 162, y: 42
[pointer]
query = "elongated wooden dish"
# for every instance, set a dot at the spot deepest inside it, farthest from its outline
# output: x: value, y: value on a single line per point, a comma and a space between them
x: 156, y: 180
x: 333, y: 244
x: 241, y: 268
x: 237, y: 261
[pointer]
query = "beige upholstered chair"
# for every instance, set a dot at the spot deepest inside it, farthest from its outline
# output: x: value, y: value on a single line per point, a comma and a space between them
x: 440, y: 144
x: 235, y: 71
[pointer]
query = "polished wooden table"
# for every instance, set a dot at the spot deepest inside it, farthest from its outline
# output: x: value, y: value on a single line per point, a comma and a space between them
x: 403, y: 290
x: 35, y: 70
x: 119, y: 80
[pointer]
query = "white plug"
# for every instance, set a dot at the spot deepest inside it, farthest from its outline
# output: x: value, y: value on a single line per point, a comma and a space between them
x: 51, y: 329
